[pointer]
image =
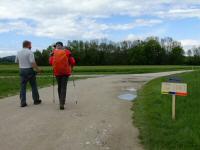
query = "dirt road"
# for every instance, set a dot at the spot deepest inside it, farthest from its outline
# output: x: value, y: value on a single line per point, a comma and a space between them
x: 100, y: 121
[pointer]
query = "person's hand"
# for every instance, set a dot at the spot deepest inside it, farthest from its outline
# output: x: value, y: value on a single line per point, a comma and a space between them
x: 39, y: 71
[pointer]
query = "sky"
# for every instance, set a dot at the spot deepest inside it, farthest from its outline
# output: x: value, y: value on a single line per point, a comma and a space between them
x: 46, y: 21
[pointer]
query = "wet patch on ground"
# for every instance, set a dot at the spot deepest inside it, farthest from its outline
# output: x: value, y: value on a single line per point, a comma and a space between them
x: 128, y: 94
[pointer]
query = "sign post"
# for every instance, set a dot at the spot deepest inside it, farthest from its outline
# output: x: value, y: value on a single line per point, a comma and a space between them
x: 173, y: 106
x: 179, y: 89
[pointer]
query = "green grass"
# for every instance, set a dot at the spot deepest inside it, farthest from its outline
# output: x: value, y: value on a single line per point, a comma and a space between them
x: 11, y: 86
x: 152, y: 115
x: 13, y: 69
x: 126, y: 69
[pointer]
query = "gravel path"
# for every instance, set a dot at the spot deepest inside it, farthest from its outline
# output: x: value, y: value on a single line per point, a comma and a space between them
x: 100, y: 121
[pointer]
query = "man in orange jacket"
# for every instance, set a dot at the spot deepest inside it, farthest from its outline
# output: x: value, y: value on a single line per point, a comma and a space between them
x: 62, y: 63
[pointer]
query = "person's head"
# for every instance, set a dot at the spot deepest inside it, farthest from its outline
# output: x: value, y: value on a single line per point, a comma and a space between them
x: 27, y: 44
x: 59, y: 45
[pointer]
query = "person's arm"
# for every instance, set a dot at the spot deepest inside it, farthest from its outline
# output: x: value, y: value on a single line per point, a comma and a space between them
x: 16, y: 59
x: 33, y: 63
x: 35, y: 66
x: 51, y: 59
x: 71, y: 60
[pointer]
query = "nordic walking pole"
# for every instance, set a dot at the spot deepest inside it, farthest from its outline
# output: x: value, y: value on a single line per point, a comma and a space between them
x: 53, y: 88
x: 74, y: 86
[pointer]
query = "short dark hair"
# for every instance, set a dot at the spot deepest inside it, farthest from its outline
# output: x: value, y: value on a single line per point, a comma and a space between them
x: 59, y: 43
x: 26, y: 43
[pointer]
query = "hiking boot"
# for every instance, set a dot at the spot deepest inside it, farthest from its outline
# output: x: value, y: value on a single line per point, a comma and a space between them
x: 62, y: 107
x: 23, y: 105
x: 37, y: 102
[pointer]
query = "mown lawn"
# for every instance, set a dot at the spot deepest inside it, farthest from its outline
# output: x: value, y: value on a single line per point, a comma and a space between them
x: 152, y: 115
x: 11, y: 85
x: 6, y: 70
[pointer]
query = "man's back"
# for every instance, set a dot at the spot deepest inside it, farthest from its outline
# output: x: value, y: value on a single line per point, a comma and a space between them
x: 25, y: 57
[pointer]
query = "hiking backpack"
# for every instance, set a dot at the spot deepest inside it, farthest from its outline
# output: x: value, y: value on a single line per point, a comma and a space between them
x: 61, y: 64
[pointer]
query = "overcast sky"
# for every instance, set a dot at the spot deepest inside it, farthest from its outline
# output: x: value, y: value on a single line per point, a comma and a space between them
x: 47, y: 21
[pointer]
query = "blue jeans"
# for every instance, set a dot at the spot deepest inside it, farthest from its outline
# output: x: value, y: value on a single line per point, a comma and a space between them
x: 28, y: 75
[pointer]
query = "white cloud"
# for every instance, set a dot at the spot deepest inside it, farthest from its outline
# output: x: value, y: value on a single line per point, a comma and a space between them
x: 5, y: 52
x: 133, y: 37
x: 179, y: 13
x: 87, y: 28
x: 15, y: 26
x: 159, y: 32
x: 79, y: 18
x: 136, y: 23
x: 189, y: 43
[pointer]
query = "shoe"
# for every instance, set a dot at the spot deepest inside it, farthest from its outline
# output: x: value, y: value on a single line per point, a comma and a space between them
x: 23, y: 105
x: 62, y: 107
x: 37, y: 102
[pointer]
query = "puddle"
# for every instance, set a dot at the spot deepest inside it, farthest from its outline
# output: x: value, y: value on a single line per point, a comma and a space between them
x: 128, y: 94
x: 128, y: 97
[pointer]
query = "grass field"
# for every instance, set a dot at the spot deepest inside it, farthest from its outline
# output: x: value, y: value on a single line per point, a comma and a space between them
x: 6, y: 70
x: 152, y: 115
x: 11, y: 85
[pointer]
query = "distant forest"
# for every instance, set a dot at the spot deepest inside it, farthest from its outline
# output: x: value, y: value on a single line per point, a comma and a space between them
x: 151, y: 51
x: 7, y: 60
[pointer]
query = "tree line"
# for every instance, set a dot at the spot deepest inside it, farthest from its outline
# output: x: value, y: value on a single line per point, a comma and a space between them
x: 151, y: 51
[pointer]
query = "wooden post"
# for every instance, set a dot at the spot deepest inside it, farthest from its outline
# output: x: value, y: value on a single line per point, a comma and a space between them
x: 173, y: 106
